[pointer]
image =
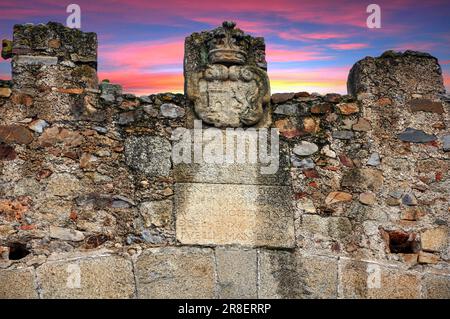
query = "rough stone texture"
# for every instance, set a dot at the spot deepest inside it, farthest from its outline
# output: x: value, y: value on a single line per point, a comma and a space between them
x: 360, y: 279
x: 397, y: 75
x: 220, y: 214
x: 175, y: 273
x: 18, y: 284
x: 225, y: 76
x: 436, y: 286
x: 149, y: 155
x: 435, y: 239
x: 293, y: 275
x: 243, y: 170
x: 101, y: 277
x: 236, y: 273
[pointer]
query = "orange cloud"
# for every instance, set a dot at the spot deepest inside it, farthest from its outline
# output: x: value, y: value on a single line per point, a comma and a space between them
x: 145, y: 83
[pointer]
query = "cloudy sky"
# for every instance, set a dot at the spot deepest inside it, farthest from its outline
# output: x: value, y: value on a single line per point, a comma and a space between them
x: 311, y: 45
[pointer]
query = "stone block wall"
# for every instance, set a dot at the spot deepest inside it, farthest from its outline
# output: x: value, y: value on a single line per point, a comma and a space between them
x: 92, y: 205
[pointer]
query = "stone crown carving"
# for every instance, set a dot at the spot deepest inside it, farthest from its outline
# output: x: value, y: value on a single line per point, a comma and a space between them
x: 225, y: 77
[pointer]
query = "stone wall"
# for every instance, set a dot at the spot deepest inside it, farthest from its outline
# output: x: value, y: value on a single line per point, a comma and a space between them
x: 92, y: 206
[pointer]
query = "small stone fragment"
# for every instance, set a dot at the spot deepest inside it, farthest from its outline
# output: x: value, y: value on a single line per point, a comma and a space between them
x: 305, y: 163
x: 287, y: 109
x: 311, y: 125
x: 171, y: 110
x: 282, y: 97
x: 409, y: 200
x: 15, y: 134
x: 322, y: 108
x: 374, y: 159
x: 428, y: 258
x: 435, y: 239
x: 336, y: 197
x: 327, y: 151
x: 38, y: 126
x: 66, y: 234
x: 424, y: 105
x: 332, y: 97
x: 5, y: 92
x: 415, y: 136
x: 305, y: 148
x: 362, y: 125
x: 446, y: 143
x: 343, y: 135
x: 348, y: 108
x: 367, y: 198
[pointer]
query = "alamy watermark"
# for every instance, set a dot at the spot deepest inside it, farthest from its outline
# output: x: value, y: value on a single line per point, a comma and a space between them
x: 374, y: 19
x: 259, y: 146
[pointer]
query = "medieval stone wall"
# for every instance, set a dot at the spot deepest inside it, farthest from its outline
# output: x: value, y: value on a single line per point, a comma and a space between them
x: 93, y: 206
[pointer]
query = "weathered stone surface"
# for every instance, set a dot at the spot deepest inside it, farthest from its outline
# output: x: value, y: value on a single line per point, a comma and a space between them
x: 230, y: 88
x: 110, y: 92
x: 363, y: 179
x: 172, y: 272
x: 343, y: 135
x: 63, y: 184
x: 171, y: 110
x: 278, y: 98
x: 36, y: 60
x: 7, y: 153
x: 415, y: 136
x: 293, y: 275
x: 280, y: 276
x: 367, y: 198
x: 360, y: 279
x: 18, y: 284
x: 363, y: 125
x: 66, y: 234
x: 287, y: 109
x: 250, y: 215
x: 435, y: 239
x: 322, y: 108
x: 149, y: 155
x: 236, y: 273
x: 436, y: 286
x: 397, y: 75
x: 246, y: 167
x: 311, y: 125
x: 348, y: 108
x: 15, y: 134
x: 98, y: 277
x: 425, y: 105
x: 157, y: 213
x: 427, y: 258
x: 305, y: 148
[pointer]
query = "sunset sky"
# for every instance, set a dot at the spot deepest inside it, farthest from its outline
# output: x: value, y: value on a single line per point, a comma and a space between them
x: 311, y: 45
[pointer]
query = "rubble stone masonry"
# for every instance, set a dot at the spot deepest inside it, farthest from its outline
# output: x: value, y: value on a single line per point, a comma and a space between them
x: 92, y: 205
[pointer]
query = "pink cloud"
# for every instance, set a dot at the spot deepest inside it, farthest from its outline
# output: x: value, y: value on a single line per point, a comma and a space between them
x: 348, y: 46
x: 143, y: 54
